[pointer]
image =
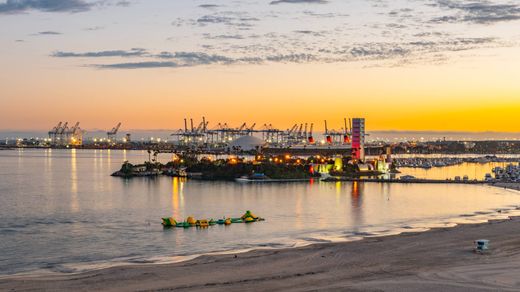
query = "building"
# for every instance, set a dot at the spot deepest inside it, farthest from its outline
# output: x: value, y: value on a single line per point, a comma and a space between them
x: 358, y: 139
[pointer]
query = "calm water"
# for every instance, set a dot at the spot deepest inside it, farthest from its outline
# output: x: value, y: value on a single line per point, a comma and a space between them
x: 60, y: 211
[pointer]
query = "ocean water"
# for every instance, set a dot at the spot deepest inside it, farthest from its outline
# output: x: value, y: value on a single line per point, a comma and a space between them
x: 61, y: 211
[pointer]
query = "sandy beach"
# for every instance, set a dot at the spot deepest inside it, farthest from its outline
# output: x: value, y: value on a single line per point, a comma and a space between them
x: 507, y: 185
x: 439, y: 259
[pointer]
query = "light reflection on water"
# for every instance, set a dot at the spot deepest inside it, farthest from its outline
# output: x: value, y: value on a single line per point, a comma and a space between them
x: 61, y: 210
x: 472, y: 170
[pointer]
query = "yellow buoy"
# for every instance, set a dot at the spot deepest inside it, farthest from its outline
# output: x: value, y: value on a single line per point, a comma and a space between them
x: 203, y: 223
x: 191, y: 220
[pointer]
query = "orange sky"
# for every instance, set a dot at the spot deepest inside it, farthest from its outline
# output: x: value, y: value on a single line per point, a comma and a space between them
x: 465, y: 95
x: 449, y: 76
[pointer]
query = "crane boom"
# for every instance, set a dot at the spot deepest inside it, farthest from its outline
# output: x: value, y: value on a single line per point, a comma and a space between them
x: 114, y: 129
x: 326, y: 129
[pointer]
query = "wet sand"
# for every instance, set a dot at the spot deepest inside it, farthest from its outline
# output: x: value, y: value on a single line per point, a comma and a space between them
x: 439, y: 259
x: 507, y: 185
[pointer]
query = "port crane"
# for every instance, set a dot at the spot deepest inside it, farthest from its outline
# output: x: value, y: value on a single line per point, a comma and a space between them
x: 75, y: 135
x: 62, y: 135
x: 310, y: 138
x: 111, y: 135
x: 337, y: 137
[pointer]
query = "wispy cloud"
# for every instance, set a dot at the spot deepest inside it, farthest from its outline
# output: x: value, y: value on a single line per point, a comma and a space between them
x: 49, y: 32
x: 135, y: 52
x: 402, y: 52
x: 123, y: 3
x: 19, y: 6
x: 209, y: 6
x: 94, y: 28
x: 138, y: 65
x: 299, y: 2
x: 482, y: 12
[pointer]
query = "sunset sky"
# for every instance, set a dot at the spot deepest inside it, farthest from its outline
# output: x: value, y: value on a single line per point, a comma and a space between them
x: 401, y: 64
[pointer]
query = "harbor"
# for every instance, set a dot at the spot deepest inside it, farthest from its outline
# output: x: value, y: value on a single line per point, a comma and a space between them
x: 95, y: 207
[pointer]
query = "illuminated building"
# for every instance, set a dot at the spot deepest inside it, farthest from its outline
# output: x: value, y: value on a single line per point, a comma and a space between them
x: 358, y: 139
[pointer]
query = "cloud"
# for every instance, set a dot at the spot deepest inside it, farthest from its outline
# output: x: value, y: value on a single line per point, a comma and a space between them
x: 135, y: 52
x: 48, y: 33
x: 309, y: 32
x: 138, y: 65
x: 292, y: 58
x: 191, y: 59
x: 214, y: 19
x: 239, y: 20
x: 20, y: 6
x: 223, y: 37
x: 481, y: 12
x: 378, y: 51
x: 195, y: 58
x: 209, y: 6
x: 299, y: 2
x: 94, y: 28
x: 400, y: 53
x: 123, y: 3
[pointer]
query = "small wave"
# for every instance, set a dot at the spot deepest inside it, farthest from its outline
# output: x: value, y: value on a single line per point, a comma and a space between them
x: 318, y: 240
x: 8, y: 230
x: 271, y: 244
x: 362, y: 233
x: 483, y: 212
x: 141, y: 261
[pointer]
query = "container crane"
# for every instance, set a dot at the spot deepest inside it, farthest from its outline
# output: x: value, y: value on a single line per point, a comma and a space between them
x: 75, y: 135
x: 111, y: 135
x: 346, y: 138
x: 327, y: 136
x: 311, y: 138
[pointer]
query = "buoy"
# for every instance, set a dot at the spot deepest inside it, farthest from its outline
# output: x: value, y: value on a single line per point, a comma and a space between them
x: 191, y: 221
x: 248, y: 217
x: 168, y: 222
x: 203, y: 223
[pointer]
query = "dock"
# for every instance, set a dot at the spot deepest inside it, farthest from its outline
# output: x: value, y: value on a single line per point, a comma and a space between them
x: 406, y: 181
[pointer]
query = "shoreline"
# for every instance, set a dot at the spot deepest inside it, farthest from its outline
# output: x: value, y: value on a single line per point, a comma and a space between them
x: 506, y: 185
x: 440, y: 258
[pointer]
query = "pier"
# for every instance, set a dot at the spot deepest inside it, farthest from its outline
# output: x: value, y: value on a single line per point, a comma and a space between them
x: 406, y: 181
